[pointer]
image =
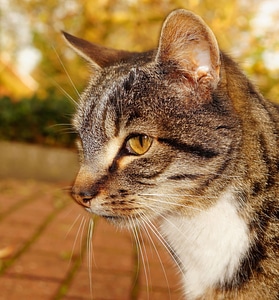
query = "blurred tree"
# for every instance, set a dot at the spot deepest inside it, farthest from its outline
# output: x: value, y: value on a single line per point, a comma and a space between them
x: 133, y: 25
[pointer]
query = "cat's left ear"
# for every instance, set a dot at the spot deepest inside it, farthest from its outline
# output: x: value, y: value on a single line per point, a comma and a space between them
x: 98, y: 56
x: 190, y: 44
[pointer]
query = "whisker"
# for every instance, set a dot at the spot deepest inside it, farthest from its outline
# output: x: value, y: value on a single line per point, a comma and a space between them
x: 145, y: 225
x: 74, y: 223
x: 140, y: 252
x: 82, y: 235
x: 176, y: 195
x: 54, y: 82
x: 90, y: 253
x: 146, y: 257
x: 164, y: 243
x: 67, y: 73
x: 63, y: 126
x: 67, y: 189
x: 131, y: 230
x: 77, y: 235
x: 168, y: 202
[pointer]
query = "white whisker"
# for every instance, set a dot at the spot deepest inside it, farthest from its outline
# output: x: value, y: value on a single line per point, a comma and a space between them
x: 90, y: 253
x: 82, y: 235
x: 131, y: 227
x: 168, y: 202
x: 140, y: 252
x: 145, y: 254
x: 74, y: 223
x: 64, y: 91
x: 67, y: 73
x: 162, y: 240
x: 176, y: 195
x: 145, y: 225
x: 77, y: 234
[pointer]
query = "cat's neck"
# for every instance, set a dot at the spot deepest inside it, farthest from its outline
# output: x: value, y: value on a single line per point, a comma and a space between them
x: 209, y: 246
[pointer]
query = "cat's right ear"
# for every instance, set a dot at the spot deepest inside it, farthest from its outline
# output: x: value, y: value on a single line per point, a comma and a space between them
x: 96, y: 55
x: 189, y: 43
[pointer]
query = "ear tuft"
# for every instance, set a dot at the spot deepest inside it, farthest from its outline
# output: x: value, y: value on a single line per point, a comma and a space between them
x: 188, y: 42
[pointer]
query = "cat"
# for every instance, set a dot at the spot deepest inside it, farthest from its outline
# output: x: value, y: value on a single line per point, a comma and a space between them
x: 180, y: 135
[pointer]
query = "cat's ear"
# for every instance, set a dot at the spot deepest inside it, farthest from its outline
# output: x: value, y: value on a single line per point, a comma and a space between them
x: 95, y: 54
x: 190, y: 44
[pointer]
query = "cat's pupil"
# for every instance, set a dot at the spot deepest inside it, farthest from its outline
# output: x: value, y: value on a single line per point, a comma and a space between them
x: 141, y: 140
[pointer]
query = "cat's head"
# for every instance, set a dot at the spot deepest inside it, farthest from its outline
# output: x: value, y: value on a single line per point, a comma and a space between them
x: 153, y: 131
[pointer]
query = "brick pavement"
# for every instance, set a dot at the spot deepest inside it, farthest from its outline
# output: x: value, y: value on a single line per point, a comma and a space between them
x: 43, y: 251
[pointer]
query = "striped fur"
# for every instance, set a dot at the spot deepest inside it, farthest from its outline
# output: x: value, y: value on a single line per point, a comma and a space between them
x: 211, y: 175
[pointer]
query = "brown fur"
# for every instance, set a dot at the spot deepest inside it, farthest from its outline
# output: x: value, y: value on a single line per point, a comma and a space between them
x: 211, y: 130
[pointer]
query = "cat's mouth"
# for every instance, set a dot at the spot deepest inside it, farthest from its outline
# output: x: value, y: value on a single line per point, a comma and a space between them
x: 113, y: 218
x: 118, y: 217
x: 122, y: 220
x: 117, y: 220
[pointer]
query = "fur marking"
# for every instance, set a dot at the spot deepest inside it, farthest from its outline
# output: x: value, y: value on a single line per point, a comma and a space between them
x: 213, y: 244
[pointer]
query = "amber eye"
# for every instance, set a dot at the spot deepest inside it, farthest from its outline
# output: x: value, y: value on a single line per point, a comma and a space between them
x: 138, y: 144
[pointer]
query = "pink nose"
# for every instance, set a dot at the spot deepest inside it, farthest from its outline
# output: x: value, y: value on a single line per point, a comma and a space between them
x: 82, y: 198
x: 83, y: 190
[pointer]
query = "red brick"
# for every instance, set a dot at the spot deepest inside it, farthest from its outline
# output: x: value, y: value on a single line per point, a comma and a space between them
x: 107, y: 236
x: 40, y: 265
x: 105, y: 285
x: 40, y: 271
x: 163, y: 294
x: 26, y: 288
x: 60, y: 233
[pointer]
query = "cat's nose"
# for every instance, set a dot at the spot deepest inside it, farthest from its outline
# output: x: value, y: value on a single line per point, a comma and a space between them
x: 83, y: 189
x: 82, y: 198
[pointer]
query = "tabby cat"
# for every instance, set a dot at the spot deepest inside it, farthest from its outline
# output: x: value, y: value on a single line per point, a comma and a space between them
x: 179, y: 135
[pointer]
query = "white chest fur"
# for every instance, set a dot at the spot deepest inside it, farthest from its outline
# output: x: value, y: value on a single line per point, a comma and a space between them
x: 210, y: 245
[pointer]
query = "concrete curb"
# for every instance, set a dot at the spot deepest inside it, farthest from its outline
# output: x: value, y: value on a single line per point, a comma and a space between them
x: 26, y: 161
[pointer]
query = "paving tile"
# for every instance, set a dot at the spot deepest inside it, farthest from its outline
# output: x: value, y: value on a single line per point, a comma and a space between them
x: 16, y: 229
x: 14, y: 288
x: 160, y: 295
x: 12, y: 243
x: 107, y: 236
x: 105, y: 285
x: 53, y: 261
x: 8, y: 202
x: 40, y: 264
x: 80, y: 297
x: 60, y: 236
x: 113, y: 261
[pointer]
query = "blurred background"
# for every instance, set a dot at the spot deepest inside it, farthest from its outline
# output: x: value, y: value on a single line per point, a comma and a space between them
x: 39, y: 73
x: 41, y: 228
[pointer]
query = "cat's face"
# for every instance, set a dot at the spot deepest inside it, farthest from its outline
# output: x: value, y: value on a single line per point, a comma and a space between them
x: 153, y: 136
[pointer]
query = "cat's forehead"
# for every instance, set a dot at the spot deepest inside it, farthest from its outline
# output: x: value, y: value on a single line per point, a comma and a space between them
x: 138, y: 87
x: 129, y: 99
x: 117, y: 93
x: 120, y: 88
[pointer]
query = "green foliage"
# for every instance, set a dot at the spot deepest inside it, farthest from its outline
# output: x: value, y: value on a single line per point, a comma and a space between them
x: 130, y: 25
x: 37, y: 121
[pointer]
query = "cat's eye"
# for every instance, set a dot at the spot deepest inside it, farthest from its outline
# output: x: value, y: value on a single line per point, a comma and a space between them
x: 138, y: 144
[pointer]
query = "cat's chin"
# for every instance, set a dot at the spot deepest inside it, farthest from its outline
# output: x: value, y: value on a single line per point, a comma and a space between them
x: 122, y: 221
x: 115, y: 219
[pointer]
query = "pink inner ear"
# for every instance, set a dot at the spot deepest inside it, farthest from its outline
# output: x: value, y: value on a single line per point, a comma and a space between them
x: 186, y: 39
x: 202, y: 56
